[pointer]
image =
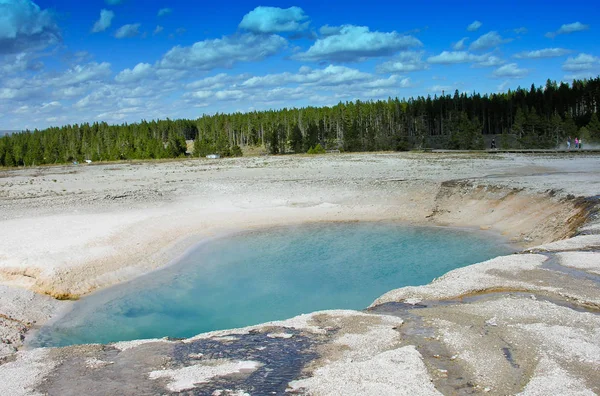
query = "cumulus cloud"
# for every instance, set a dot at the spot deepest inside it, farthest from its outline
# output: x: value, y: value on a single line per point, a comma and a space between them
x: 580, y: 76
x: 17, y: 63
x: 320, y: 85
x: 440, y: 88
x: 201, y: 94
x: 85, y: 92
x: 543, y: 53
x: 14, y: 94
x: 327, y: 30
x: 520, y: 30
x: 511, y: 70
x: 453, y: 57
x: 106, y: 17
x: 139, y: 72
x: 474, y: 26
x: 223, y: 52
x: 164, y: 12
x: 130, y: 30
x: 97, y: 97
x: 580, y: 63
x: 460, y: 44
x: 329, y: 76
x: 41, y: 87
x: 216, y: 82
x: 489, y: 61
x: 275, y: 20
x: 158, y: 30
x: 391, y: 81
x: 404, y: 62
x: 66, y: 93
x: 487, y: 41
x: 24, y: 26
x: 502, y: 87
x: 82, y: 73
x: 456, y: 57
x: 50, y: 106
x: 568, y: 29
x: 230, y: 94
x: 357, y: 43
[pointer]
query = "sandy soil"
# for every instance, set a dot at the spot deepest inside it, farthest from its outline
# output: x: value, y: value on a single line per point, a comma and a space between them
x: 67, y: 231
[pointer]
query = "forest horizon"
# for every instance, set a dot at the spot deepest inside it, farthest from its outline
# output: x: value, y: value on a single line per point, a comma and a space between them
x: 538, y: 117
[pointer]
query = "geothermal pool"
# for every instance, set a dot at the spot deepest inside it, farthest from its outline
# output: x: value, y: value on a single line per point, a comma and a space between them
x: 266, y: 275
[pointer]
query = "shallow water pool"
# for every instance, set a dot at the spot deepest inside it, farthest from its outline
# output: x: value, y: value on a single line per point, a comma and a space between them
x: 266, y: 275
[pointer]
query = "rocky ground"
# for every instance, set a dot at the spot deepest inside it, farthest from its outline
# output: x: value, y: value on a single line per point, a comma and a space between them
x: 526, y: 323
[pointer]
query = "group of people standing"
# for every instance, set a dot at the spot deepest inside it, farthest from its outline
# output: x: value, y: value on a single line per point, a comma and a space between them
x: 578, y: 143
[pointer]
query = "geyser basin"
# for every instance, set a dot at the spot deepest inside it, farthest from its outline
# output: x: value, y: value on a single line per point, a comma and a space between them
x: 267, y: 275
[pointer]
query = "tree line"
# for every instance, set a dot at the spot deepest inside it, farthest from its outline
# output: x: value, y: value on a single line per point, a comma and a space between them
x: 539, y: 117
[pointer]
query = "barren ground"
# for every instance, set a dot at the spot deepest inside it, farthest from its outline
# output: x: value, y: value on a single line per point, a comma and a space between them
x: 522, y: 323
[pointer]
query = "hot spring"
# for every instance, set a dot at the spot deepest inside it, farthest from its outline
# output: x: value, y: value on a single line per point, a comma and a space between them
x: 260, y: 276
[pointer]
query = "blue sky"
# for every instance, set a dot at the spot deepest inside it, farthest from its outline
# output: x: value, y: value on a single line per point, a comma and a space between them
x: 126, y: 60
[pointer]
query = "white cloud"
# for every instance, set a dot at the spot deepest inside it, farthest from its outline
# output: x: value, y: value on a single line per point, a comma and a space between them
x: 202, y: 94
x: 437, y: 89
x: 404, y: 62
x: 520, y: 30
x: 24, y: 26
x: 391, y: 81
x: 49, y: 87
x: 158, y: 30
x: 111, y: 97
x: 580, y: 75
x: 568, y: 29
x: 71, y: 92
x: 139, y: 72
x: 329, y: 76
x: 14, y: 94
x: 81, y: 74
x: 580, y: 63
x: 460, y: 44
x: 327, y: 30
x: 130, y: 30
x: 104, y: 22
x: 474, y: 26
x: 327, y: 85
x: 231, y: 94
x: 216, y: 82
x: 113, y: 2
x: 164, y: 12
x: 84, y: 93
x: 50, y: 106
x: 280, y: 95
x: 223, y: 52
x: 17, y: 63
x: 543, y: 53
x: 275, y: 20
x: 269, y: 80
x: 511, y: 70
x: 454, y: 57
x: 502, y: 87
x: 487, y: 41
x: 357, y: 43
x: 489, y: 61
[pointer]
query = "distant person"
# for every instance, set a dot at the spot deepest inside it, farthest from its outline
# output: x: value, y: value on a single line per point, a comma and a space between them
x: 493, y: 144
x: 580, y: 143
x: 576, y: 143
x: 569, y: 143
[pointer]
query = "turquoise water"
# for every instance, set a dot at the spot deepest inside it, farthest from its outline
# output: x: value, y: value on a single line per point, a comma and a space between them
x: 268, y: 275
